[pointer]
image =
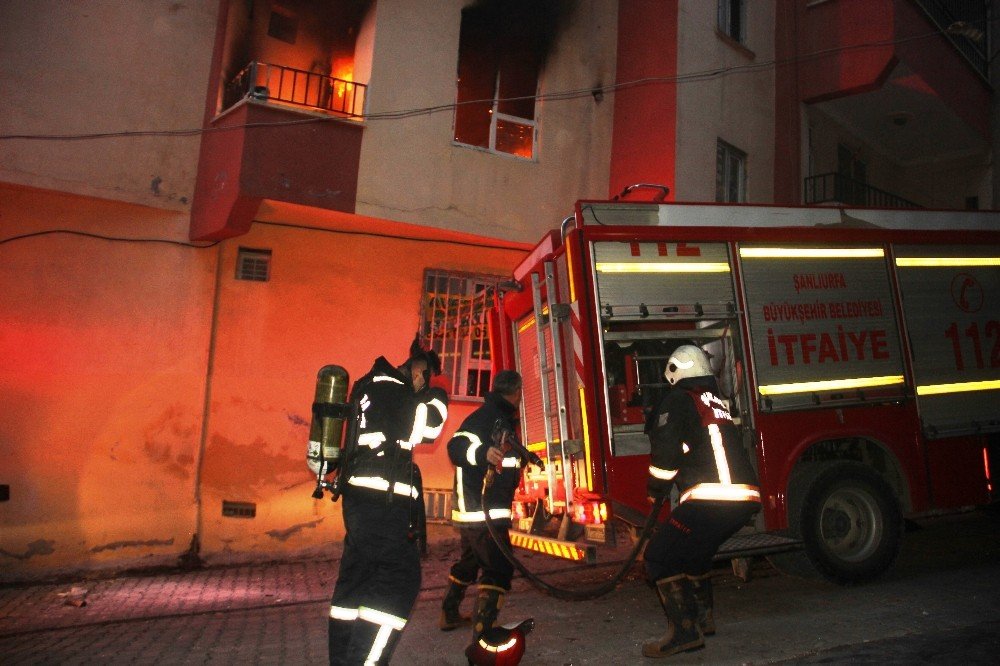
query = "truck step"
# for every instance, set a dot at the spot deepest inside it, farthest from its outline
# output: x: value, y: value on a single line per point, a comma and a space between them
x: 749, y: 545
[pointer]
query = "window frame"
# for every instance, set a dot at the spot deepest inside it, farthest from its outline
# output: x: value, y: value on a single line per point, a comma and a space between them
x: 484, y: 56
x: 725, y: 20
x: 724, y: 157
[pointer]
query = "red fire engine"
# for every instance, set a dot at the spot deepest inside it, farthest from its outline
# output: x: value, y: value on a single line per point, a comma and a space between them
x: 859, y: 351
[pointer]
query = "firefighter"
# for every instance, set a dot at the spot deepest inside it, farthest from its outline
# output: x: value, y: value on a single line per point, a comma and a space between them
x: 379, y: 576
x: 475, y: 447
x: 432, y: 389
x: 695, y: 446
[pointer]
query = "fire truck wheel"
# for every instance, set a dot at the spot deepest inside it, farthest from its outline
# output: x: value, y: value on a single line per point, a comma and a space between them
x: 850, y: 522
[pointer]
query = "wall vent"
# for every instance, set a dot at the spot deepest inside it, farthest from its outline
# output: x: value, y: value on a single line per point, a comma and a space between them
x: 437, y: 502
x: 238, y: 509
x: 254, y: 265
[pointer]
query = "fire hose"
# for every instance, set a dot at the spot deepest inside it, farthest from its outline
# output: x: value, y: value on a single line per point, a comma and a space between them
x: 558, y: 592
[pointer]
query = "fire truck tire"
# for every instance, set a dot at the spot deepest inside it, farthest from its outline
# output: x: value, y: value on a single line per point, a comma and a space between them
x: 849, y: 520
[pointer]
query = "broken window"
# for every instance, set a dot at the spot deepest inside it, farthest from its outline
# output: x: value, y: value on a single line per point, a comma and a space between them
x: 502, y: 47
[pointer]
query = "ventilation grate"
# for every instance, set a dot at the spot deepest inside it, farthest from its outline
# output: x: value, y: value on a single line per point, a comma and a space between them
x: 238, y: 509
x: 254, y: 265
x: 437, y: 502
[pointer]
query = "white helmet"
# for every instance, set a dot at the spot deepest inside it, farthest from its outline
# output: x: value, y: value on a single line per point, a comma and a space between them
x: 687, y: 361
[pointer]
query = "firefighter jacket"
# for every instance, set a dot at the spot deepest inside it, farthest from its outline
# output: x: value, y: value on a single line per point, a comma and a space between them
x: 695, y: 445
x: 392, y: 419
x: 467, y: 450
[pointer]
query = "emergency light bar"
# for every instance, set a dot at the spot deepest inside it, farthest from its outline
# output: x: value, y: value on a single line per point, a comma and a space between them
x: 653, y: 267
x: 830, y: 385
x: 947, y: 261
x: 811, y: 252
x: 960, y: 387
x: 565, y: 549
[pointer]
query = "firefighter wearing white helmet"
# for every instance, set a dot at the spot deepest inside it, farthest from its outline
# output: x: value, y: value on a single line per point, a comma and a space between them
x: 695, y: 446
x: 687, y: 361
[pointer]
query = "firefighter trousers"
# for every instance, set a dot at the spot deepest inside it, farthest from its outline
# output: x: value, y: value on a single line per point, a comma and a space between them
x: 378, y: 582
x: 690, y: 538
x: 480, y: 553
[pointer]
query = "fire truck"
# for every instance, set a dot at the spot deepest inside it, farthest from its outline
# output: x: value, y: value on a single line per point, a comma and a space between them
x: 858, y: 351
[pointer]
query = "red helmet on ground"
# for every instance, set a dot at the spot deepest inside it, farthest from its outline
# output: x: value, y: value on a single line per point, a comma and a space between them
x: 500, y: 646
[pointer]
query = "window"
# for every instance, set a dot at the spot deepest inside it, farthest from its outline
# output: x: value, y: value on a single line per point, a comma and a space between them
x: 730, y: 173
x: 254, y: 265
x: 500, y: 53
x: 282, y: 27
x: 453, y: 322
x: 732, y: 19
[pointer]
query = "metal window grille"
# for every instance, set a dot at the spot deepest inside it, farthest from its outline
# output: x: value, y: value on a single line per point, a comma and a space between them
x: 437, y: 503
x: 254, y: 265
x: 454, y: 315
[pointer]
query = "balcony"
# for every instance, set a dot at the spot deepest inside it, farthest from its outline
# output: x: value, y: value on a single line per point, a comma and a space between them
x: 835, y: 188
x: 879, y: 59
x: 285, y: 135
x: 286, y: 85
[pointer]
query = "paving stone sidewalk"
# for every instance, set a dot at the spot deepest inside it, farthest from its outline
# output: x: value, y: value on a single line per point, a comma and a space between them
x: 135, y: 596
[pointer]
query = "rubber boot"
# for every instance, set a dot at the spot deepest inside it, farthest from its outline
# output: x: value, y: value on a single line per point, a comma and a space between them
x: 677, y: 598
x: 702, y: 586
x: 488, y: 605
x: 451, y: 617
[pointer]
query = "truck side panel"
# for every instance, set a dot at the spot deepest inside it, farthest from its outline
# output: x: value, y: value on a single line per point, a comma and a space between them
x: 951, y: 302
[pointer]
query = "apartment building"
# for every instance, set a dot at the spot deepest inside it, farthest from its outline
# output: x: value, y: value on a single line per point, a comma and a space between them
x: 203, y: 202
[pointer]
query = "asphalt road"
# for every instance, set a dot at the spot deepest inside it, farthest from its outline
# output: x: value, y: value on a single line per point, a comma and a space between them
x: 939, y: 605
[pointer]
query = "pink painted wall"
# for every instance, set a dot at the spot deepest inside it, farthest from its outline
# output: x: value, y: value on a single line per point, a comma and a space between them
x: 344, y: 296
x: 104, y: 348
x: 110, y: 348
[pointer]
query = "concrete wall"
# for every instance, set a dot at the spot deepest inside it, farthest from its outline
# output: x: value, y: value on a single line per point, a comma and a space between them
x: 736, y: 105
x: 103, y: 66
x: 410, y: 169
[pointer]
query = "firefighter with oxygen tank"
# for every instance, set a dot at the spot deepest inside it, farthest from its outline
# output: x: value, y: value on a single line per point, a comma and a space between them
x: 390, y: 410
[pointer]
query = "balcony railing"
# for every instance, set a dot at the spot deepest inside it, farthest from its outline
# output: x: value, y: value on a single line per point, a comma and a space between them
x: 837, y: 188
x: 267, y: 82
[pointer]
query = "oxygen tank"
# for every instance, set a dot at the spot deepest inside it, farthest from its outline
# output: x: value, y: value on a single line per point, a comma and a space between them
x: 329, y: 410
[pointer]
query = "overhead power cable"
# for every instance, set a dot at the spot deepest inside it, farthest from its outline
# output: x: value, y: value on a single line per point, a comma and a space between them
x: 693, y: 77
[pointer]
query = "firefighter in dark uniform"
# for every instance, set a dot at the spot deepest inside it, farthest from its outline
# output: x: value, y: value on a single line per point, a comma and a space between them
x: 695, y: 446
x: 379, y: 576
x: 473, y: 449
